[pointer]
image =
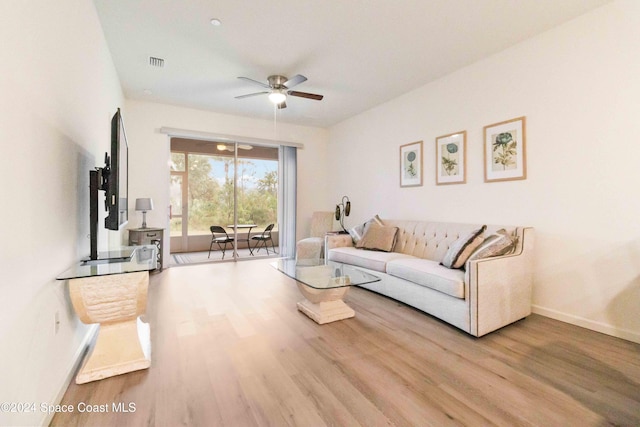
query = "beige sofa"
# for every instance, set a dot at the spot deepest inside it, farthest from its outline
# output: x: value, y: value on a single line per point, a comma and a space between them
x: 485, y: 295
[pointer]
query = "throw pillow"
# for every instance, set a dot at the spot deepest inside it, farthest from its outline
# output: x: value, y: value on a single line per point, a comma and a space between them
x: 500, y: 243
x: 378, y: 238
x: 358, y: 231
x: 462, y: 248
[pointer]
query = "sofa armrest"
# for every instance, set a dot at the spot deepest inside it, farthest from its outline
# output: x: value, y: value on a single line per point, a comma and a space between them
x: 337, y: 241
x: 500, y: 287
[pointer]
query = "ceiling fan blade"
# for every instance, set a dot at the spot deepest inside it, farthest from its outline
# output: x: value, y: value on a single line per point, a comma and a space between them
x: 294, y: 81
x: 251, y: 94
x: 264, y: 85
x: 282, y: 105
x: 306, y: 95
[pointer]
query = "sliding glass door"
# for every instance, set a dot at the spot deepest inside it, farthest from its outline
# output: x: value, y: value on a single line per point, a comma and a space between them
x: 233, y: 186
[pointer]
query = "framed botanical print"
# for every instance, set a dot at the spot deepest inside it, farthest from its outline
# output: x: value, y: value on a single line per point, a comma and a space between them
x: 411, y: 164
x: 451, y: 158
x: 505, y: 151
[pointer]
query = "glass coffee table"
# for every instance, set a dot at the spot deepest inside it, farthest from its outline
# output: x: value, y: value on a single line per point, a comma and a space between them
x: 323, y: 287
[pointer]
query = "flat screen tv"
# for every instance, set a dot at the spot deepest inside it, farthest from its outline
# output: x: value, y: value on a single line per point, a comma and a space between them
x: 116, y: 183
x: 113, y: 180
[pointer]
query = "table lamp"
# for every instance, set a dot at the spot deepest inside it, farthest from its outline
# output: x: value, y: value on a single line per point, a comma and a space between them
x: 144, y: 205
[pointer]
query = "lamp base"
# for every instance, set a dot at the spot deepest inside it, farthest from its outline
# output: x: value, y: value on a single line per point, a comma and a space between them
x: 144, y: 219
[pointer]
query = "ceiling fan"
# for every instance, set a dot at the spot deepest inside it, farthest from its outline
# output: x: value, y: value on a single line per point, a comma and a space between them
x: 279, y: 87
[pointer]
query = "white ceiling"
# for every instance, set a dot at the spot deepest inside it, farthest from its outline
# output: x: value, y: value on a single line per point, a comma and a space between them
x: 357, y: 53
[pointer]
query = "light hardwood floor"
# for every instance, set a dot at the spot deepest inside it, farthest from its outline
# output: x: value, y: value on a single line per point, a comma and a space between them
x: 231, y: 349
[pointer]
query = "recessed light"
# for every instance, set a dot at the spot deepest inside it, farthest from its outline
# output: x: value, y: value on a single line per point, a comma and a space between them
x: 216, y: 22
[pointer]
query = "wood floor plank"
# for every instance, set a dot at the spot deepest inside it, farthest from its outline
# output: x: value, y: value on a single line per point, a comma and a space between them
x: 230, y: 348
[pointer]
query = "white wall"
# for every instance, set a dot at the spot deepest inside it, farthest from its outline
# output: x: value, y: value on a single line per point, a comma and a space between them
x: 59, y: 89
x: 149, y: 155
x: 579, y: 87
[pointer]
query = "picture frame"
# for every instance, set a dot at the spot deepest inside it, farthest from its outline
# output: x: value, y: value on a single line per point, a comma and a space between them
x: 451, y: 158
x: 505, y: 156
x: 411, y: 164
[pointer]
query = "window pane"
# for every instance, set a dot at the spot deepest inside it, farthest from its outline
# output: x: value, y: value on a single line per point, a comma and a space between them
x: 210, y: 192
x: 257, y: 192
x: 207, y: 177
x: 175, y: 227
x: 177, y: 162
x: 175, y: 195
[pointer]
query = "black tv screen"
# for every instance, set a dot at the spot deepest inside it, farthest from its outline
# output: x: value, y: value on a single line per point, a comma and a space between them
x: 117, y: 184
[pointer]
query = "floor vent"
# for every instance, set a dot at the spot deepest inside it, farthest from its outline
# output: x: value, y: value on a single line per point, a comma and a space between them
x: 156, y: 62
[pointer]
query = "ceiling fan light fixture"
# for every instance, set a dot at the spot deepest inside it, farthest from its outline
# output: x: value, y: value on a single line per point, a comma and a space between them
x: 277, y: 97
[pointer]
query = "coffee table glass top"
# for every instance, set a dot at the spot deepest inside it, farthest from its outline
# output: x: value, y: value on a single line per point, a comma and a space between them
x: 325, y: 276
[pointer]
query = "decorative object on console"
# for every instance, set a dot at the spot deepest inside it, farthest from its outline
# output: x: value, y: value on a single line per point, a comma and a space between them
x: 144, y: 205
x: 505, y: 151
x: 411, y: 165
x: 451, y: 158
x: 343, y: 209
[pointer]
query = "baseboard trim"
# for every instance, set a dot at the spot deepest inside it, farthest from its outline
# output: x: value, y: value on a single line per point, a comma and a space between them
x: 587, y: 323
x: 74, y: 364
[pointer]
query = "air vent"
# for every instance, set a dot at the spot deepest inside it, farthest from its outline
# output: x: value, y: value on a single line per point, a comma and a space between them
x: 156, y: 62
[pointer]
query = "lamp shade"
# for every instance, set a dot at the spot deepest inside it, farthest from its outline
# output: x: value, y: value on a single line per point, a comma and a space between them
x: 144, y: 204
x: 277, y: 97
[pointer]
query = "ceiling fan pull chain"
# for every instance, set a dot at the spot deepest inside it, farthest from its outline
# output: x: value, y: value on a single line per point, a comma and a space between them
x: 275, y: 122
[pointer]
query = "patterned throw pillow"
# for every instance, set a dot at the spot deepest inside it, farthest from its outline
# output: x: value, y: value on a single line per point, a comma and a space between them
x: 378, y: 238
x: 462, y: 248
x: 500, y: 243
x: 358, y: 231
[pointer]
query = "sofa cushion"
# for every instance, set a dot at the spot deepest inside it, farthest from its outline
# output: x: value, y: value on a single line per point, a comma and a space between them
x: 367, y: 259
x: 462, y: 248
x: 429, y: 274
x: 378, y: 238
x: 499, y: 243
x: 358, y: 231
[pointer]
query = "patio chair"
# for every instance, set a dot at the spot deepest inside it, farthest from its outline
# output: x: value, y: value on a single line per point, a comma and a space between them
x: 219, y: 236
x: 263, y: 238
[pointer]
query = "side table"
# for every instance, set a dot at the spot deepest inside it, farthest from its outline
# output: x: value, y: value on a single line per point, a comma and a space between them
x: 114, y: 295
x: 148, y: 236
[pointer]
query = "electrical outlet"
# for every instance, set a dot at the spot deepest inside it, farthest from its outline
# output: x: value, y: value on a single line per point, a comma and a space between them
x: 56, y: 323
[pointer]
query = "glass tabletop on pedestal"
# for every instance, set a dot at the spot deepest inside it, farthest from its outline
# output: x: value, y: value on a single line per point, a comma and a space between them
x: 129, y: 259
x: 329, y: 275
